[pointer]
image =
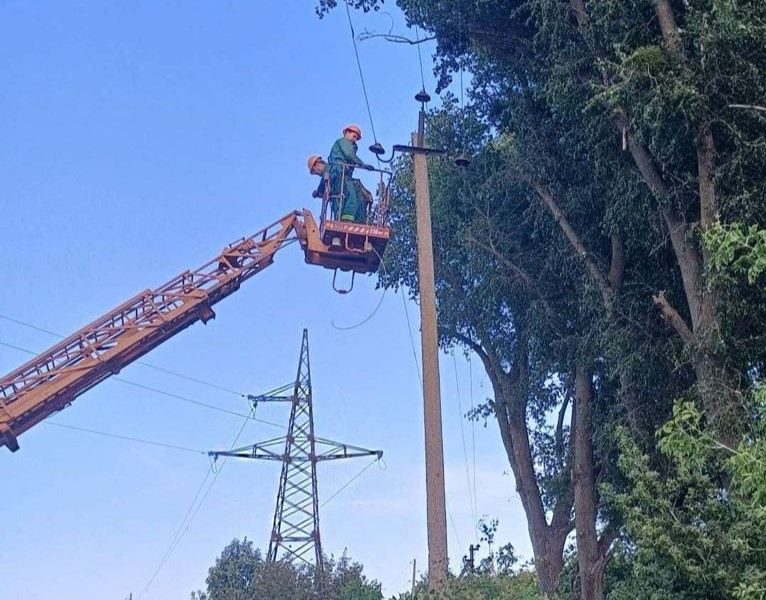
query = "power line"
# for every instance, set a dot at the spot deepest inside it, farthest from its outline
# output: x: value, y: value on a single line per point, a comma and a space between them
x: 169, y: 394
x: 420, y: 58
x: 454, y: 530
x: 473, y: 435
x: 198, y: 402
x: 192, y: 511
x: 140, y: 362
x: 465, y: 451
x: 412, y: 339
x: 125, y: 437
x: 361, y: 74
x: 348, y: 483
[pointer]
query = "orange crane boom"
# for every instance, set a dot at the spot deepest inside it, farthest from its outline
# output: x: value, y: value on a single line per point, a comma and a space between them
x: 52, y: 380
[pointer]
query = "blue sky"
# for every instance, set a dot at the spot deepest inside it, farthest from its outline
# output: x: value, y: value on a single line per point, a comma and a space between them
x: 137, y: 138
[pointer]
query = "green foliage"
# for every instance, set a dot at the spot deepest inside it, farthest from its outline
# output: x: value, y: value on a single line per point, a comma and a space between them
x: 242, y: 573
x: 736, y: 249
x: 695, y: 531
x: 485, y: 586
x: 559, y: 100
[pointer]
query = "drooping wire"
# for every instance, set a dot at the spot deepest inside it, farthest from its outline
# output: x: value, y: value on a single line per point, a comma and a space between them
x: 380, y: 302
x: 348, y: 483
x: 361, y: 73
x: 194, y: 508
x: 412, y: 339
x: 126, y: 438
x: 471, y: 498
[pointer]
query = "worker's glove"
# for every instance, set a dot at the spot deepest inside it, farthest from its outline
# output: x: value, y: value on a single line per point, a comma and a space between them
x: 368, y: 167
x: 316, y: 194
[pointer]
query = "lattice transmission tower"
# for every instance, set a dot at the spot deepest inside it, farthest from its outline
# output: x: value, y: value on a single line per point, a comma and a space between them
x: 295, y: 530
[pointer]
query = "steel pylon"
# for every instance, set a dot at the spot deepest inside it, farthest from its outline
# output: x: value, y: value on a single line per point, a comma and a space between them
x: 295, y: 530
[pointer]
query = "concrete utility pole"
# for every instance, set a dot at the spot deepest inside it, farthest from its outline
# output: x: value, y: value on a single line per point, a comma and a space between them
x: 436, y: 512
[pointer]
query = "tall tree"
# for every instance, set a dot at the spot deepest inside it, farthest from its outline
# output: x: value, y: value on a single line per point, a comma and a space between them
x: 571, y: 251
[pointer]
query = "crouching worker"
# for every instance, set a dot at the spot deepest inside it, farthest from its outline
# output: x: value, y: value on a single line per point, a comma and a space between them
x: 317, y: 166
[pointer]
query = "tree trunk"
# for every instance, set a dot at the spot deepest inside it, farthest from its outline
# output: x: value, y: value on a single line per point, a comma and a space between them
x: 589, y: 554
x: 510, y: 390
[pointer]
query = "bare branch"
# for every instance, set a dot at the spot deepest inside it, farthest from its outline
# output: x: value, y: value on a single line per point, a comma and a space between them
x: 560, y: 420
x: 749, y: 107
x: 546, y: 196
x: 518, y: 272
x: 581, y: 13
x: 687, y: 257
x: 671, y: 315
x: 393, y: 37
x: 667, y: 20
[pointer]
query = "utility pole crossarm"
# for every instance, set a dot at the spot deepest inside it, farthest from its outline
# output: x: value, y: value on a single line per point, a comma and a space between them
x: 337, y: 450
x: 333, y: 451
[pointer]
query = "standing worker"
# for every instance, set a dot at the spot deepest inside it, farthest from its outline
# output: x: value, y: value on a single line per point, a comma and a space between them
x: 343, y: 160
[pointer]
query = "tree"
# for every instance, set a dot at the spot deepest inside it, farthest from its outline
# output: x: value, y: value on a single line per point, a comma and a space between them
x: 571, y: 254
x: 241, y: 573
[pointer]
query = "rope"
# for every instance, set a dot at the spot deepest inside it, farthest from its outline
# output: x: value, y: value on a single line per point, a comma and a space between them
x: 361, y: 74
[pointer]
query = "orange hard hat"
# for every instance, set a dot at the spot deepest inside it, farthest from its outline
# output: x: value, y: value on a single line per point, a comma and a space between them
x: 313, y: 160
x: 354, y: 128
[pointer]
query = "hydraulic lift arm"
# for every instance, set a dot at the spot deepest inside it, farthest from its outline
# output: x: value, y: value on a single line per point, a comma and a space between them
x: 52, y: 380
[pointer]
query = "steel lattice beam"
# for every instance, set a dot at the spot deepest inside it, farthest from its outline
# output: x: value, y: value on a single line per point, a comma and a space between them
x: 295, y: 528
x: 52, y: 380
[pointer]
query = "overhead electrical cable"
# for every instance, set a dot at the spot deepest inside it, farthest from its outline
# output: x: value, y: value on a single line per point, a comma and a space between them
x: 361, y: 73
x: 380, y: 302
x: 454, y: 529
x: 465, y: 450
x: 194, y: 508
x: 412, y: 339
x: 126, y: 438
x: 169, y: 394
x: 420, y: 57
x: 140, y: 362
x: 473, y: 435
x: 348, y: 483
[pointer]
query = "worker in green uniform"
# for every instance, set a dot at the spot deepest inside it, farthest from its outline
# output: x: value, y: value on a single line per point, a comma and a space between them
x: 343, y: 160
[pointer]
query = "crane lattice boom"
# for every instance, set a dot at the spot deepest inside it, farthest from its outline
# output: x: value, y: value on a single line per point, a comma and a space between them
x: 50, y: 381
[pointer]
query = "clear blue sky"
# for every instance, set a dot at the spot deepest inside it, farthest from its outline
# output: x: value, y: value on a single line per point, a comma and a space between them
x: 137, y: 138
